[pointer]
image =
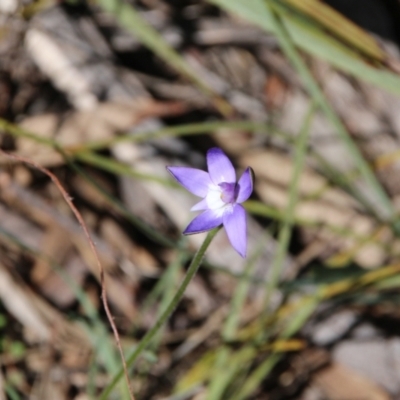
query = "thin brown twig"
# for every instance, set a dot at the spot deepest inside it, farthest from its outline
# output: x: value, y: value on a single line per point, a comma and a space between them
x: 78, y: 216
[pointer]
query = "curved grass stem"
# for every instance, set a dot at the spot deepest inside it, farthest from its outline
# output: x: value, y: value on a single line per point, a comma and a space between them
x: 191, y: 272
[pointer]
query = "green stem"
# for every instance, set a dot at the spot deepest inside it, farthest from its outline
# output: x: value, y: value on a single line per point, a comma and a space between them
x: 289, y: 216
x: 173, y: 131
x: 16, y: 131
x: 194, y: 266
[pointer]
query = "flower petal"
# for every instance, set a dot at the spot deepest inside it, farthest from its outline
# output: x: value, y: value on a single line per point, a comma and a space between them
x: 207, y: 220
x: 219, y: 167
x: 235, y: 226
x: 245, y: 186
x: 201, y: 205
x: 194, y: 180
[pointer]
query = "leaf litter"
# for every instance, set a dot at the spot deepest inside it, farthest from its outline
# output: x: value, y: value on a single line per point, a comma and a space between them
x: 75, y: 86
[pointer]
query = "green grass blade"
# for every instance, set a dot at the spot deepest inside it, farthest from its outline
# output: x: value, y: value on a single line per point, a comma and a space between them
x: 277, y: 20
x: 217, y: 386
x: 194, y: 266
x: 122, y: 210
x: 223, y: 359
x: 110, y: 165
x: 173, y: 131
x: 168, y: 286
x: 166, y: 280
x: 311, y: 39
x: 294, y: 324
x: 340, y: 26
x: 256, y: 377
x: 286, y: 229
x: 180, y: 130
x: 316, y: 93
x: 219, y: 382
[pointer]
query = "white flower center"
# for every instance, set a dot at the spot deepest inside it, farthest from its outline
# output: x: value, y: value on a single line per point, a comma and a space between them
x: 214, y: 199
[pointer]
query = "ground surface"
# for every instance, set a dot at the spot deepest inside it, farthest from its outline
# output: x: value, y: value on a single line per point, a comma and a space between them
x: 104, y: 98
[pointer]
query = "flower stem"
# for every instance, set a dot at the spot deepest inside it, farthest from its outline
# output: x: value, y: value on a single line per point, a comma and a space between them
x: 194, y: 266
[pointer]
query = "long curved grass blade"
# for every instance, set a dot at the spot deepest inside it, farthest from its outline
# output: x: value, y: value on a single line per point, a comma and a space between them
x: 386, y: 209
x: 312, y: 40
x: 338, y: 55
x: 340, y: 26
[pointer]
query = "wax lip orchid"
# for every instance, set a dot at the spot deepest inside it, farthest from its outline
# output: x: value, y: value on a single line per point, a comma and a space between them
x: 222, y: 196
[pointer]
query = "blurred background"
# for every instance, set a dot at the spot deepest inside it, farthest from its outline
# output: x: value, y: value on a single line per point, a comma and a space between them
x: 105, y: 94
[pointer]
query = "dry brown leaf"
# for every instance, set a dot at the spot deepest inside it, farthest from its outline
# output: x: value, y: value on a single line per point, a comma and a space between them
x: 42, y: 213
x: 18, y: 301
x: 121, y: 293
x: 90, y: 193
x: 44, y: 126
x: 341, y: 383
x: 277, y: 168
x: 200, y: 335
x: 42, y: 322
x: 51, y: 385
x: 376, y: 358
x: 142, y: 262
x: 319, y: 203
x: 232, y: 140
x: 75, y: 129
x: 57, y: 289
x: 55, y: 245
x: 82, y: 396
x: 276, y: 91
x: 26, y: 232
x: 201, y: 300
x: 370, y: 114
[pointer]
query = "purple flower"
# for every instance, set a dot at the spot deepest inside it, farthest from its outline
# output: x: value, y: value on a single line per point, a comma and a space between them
x: 222, y: 196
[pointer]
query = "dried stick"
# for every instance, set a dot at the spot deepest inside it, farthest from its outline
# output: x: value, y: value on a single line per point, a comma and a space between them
x: 78, y: 216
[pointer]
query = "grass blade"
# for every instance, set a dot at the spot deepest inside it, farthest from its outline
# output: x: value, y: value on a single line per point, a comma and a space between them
x: 312, y: 40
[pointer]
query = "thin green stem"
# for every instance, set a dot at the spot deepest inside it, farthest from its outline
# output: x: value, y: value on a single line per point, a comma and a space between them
x: 183, y: 130
x: 121, y: 209
x: 194, y: 266
x: 239, y: 297
x: 172, y: 131
x: 118, y: 168
x: 286, y: 229
x: 16, y: 131
x: 260, y: 372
